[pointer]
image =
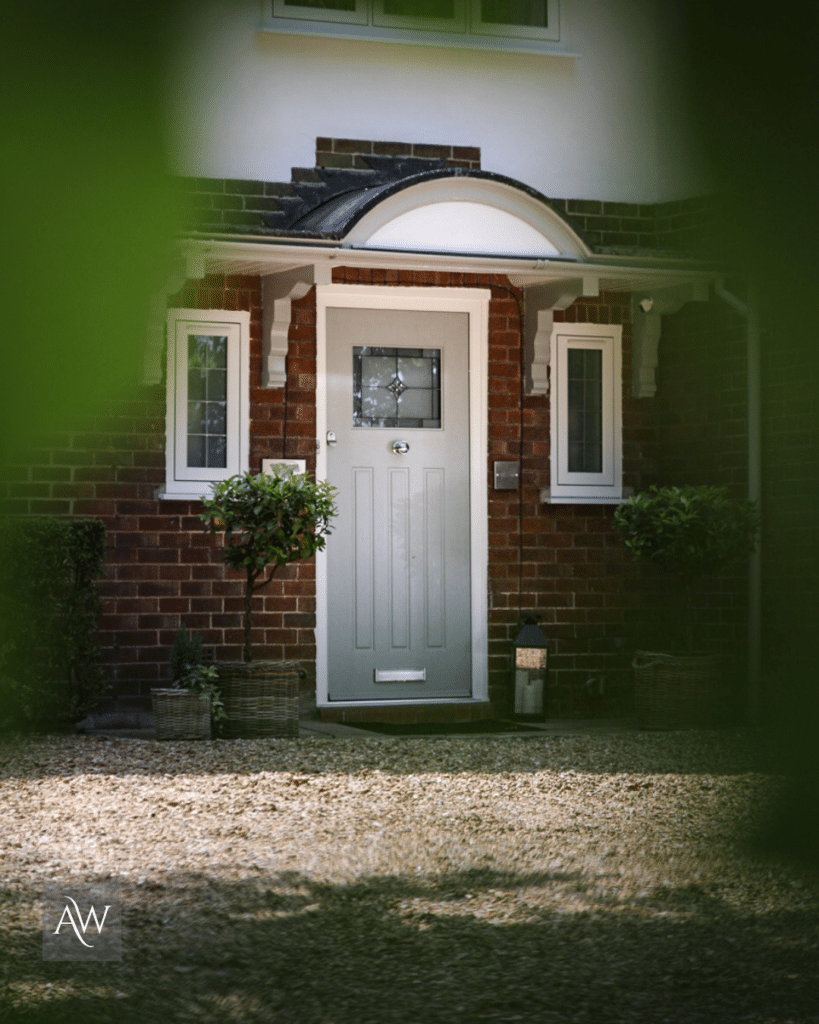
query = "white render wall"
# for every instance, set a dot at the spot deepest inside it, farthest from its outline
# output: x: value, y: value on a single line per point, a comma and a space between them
x: 609, y: 124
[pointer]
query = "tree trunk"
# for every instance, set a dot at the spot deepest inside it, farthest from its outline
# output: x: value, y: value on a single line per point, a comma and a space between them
x: 248, y: 654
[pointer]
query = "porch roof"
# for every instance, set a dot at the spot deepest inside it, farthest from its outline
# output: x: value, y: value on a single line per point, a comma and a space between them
x: 416, y: 213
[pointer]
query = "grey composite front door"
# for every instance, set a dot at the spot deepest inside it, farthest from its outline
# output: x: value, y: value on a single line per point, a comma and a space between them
x: 398, y: 561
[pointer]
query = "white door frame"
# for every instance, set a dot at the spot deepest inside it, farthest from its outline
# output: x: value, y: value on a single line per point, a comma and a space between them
x: 474, y: 302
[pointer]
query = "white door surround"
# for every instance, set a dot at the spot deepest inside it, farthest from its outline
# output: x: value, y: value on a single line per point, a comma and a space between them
x: 475, y: 303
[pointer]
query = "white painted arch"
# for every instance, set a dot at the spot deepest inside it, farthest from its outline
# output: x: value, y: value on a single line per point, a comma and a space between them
x: 466, y: 215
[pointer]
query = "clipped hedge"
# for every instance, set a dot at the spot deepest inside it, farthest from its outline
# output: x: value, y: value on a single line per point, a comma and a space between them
x: 49, y: 610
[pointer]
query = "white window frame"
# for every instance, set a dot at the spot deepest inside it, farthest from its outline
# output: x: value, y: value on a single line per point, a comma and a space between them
x: 466, y: 30
x: 456, y: 24
x: 551, y: 32
x: 298, y: 12
x: 605, y: 487
x: 183, y: 481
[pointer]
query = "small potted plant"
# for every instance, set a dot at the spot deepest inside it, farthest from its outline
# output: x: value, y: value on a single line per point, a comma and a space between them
x: 193, y: 702
x: 267, y: 522
x: 688, y: 532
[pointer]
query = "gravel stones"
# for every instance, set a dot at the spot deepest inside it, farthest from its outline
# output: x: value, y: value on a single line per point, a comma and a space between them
x: 556, y: 878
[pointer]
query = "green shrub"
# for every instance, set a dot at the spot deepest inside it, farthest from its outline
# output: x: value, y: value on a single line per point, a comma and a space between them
x: 688, y: 532
x: 186, y: 652
x: 204, y: 680
x: 49, y: 610
x: 268, y: 522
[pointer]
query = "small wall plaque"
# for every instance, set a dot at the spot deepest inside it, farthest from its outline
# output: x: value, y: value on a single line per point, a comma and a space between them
x: 507, y: 476
x: 283, y: 467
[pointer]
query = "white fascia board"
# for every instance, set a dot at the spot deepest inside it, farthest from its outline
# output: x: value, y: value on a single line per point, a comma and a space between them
x: 251, y: 256
x: 614, y: 273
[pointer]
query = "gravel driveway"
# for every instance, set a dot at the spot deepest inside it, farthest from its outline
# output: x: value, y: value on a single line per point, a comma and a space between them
x: 593, y: 878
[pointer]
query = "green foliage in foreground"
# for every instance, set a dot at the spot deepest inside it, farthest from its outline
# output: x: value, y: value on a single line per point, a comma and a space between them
x: 49, y: 610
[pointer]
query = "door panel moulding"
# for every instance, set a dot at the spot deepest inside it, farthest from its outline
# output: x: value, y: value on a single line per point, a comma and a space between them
x: 475, y: 303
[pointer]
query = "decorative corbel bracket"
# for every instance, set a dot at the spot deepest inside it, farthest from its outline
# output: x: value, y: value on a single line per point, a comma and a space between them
x: 189, y: 267
x: 541, y: 300
x: 278, y: 292
x: 647, y: 311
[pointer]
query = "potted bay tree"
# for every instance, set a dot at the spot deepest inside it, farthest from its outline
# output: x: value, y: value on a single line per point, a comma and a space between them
x: 267, y: 522
x: 688, y: 532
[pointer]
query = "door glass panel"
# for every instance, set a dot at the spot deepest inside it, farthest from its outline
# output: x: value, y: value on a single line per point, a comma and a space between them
x: 207, y: 401
x: 585, y: 401
x: 396, y: 387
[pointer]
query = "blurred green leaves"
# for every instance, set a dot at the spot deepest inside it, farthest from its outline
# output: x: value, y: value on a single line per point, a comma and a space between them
x: 87, y: 211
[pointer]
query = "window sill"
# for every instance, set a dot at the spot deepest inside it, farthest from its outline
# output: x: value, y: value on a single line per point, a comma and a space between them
x: 162, y: 495
x: 546, y: 498
x: 451, y: 40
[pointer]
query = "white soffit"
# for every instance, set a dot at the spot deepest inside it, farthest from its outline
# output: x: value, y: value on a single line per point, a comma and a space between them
x: 465, y: 215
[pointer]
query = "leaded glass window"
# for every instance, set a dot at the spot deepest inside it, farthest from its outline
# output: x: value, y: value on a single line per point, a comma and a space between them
x: 207, y: 401
x: 396, y: 387
x: 585, y: 408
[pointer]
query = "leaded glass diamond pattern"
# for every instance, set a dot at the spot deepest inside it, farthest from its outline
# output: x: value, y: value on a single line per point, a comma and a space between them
x: 396, y: 387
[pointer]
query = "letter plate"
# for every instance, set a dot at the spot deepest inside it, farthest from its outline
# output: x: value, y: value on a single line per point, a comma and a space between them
x: 400, y: 675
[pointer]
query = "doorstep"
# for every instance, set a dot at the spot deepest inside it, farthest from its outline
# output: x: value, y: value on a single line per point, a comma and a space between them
x: 534, y: 730
x: 140, y: 725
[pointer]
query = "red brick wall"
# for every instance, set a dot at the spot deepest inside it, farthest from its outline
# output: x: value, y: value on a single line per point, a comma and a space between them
x: 163, y: 570
x: 703, y: 439
x: 576, y: 578
x: 574, y: 574
x: 790, y: 499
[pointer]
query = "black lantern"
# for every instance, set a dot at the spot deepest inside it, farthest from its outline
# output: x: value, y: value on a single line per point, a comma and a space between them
x: 531, y: 666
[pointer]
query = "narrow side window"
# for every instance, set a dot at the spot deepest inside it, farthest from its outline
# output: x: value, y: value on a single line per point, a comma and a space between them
x: 586, y: 418
x: 207, y: 399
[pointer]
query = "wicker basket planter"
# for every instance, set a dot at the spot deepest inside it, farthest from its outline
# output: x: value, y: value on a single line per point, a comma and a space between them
x: 181, y: 715
x: 261, y: 698
x: 679, y: 692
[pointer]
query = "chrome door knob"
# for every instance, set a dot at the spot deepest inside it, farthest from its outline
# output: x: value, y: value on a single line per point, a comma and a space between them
x: 400, y: 447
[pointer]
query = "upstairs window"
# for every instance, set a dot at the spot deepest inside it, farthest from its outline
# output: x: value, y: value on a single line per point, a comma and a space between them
x: 524, y: 19
x: 207, y: 399
x: 586, y: 417
x: 510, y: 24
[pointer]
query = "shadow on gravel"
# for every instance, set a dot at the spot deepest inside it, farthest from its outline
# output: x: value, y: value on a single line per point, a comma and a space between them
x: 727, y: 752
x: 468, y: 947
